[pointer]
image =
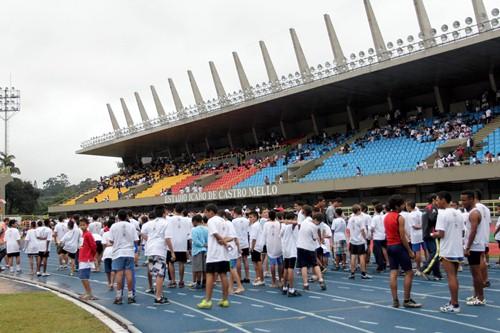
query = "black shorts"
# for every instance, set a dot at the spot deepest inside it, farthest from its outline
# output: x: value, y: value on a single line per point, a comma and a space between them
x: 289, y: 263
x: 12, y: 254
x: 179, y: 257
x: 43, y: 254
x: 319, y: 252
x: 72, y: 255
x: 357, y: 249
x: 256, y: 256
x: 99, y: 248
x: 62, y: 251
x: 306, y: 258
x: 218, y: 267
x: 245, y: 252
x: 264, y: 250
x: 474, y: 257
x: 398, y: 258
x: 33, y: 254
x: 487, y: 250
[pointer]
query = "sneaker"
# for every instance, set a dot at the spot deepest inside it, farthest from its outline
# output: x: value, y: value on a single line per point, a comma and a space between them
x: 204, y: 304
x: 460, y: 268
x: 149, y: 291
x: 161, y: 301
x: 487, y: 284
x: 476, y: 302
x: 366, y: 276
x: 131, y: 300
x: 258, y: 283
x: 172, y: 285
x: 310, y: 279
x: 38, y: 274
x: 45, y: 274
x: 181, y: 284
x: 284, y: 291
x: 336, y: 268
x: 245, y: 281
x: 448, y: 308
x: 305, y: 287
x: 437, y: 278
x: 294, y: 294
x: 352, y: 277
x: 118, y: 301
x: 417, y: 272
x: 322, y: 285
x: 470, y: 298
x: 411, y: 304
x: 324, y: 270
x: 196, y: 286
x: 395, y: 303
x: 267, y: 274
x: 223, y: 303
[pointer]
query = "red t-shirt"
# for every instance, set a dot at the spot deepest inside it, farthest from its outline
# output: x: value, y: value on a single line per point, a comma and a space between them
x: 88, y: 249
x: 391, y: 225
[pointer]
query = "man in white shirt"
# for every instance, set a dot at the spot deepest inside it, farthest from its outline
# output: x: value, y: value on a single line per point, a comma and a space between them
x: 59, y: 231
x: 271, y: 231
x: 449, y: 228
x: 217, y: 257
x: 256, y: 247
x: 379, y: 242
x: 307, y: 243
x: 137, y: 227
x: 339, y: 239
x: 123, y: 236
x: 242, y: 226
x: 357, y: 242
x: 13, y: 243
x: 414, y: 221
x: 44, y: 235
x: 485, y: 232
x: 177, y: 235
x: 289, y: 234
x: 367, y: 222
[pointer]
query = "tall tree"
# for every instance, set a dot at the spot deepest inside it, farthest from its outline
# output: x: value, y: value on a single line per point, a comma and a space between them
x: 21, y: 197
x: 7, y: 162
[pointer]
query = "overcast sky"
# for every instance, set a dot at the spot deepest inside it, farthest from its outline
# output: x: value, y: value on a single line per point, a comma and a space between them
x: 70, y: 58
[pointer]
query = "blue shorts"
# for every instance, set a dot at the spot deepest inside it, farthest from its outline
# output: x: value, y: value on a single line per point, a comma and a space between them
x: 326, y: 254
x: 232, y: 263
x: 107, y: 265
x: 417, y: 247
x: 84, y: 274
x: 276, y: 261
x: 123, y: 263
x: 398, y: 258
x: 136, y: 248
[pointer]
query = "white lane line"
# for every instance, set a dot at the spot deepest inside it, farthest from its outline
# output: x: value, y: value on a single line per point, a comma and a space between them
x: 189, y: 315
x: 141, y: 276
x: 198, y: 296
x: 136, y: 304
x: 405, y: 328
x: 339, y: 300
x: 261, y: 330
x: 467, y: 315
x: 342, y: 287
x: 181, y: 294
x: 315, y: 297
x: 150, y: 307
x: 368, y: 322
x: 428, y: 310
x: 257, y: 305
x: 366, y: 289
x: 280, y: 309
x: 251, y: 289
x: 235, y: 302
x: 210, y: 319
x: 169, y: 311
x: 271, y: 292
x: 335, y: 317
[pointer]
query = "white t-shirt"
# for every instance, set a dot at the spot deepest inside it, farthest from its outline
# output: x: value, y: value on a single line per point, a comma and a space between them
x: 242, y: 227
x: 338, y: 228
x: 30, y: 242
x: 326, y: 234
x: 136, y: 225
x: 272, y: 239
x: 308, y: 235
x: 123, y: 235
x: 46, y: 234
x: 156, y: 231
x: 478, y: 242
x: 179, y: 231
x: 408, y: 227
x: 60, y: 229
x: 415, y: 220
x: 300, y: 217
x: 486, y: 218
x: 232, y: 251
x: 289, y: 237
x: 367, y: 221
x: 12, y: 237
x: 378, y: 227
x: 108, y: 250
x: 257, y: 235
x: 145, y: 232
x: 450, y: 221
x: 95, y: 228
x: 497, y: 236
x: 355, y: 225
x: 71, y: 240
x: 215, y: 251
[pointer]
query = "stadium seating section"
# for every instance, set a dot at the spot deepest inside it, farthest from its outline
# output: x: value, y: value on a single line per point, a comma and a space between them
x: 163, y: 183
x: 491, y: 143
x: 258, y: 178
x: 231, y: 178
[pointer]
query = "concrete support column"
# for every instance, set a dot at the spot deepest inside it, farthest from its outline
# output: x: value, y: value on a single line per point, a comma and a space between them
x: 439, y: 99
x: 158, y: 105
x: 338, y: 54
x: 481, y: 15
x: 177, y: 100
x: 493, y: 83
x: 207, y: 143
x: 186, y: 144
x: 389, y: 103
x: 271, y: 72
x: 219, y: 88
x: 314, y: 123
x: 230, y: 140
x: 424, y: 23
x: 255, y: 138
x: 242, y: 76
x: 126, y: 113
x: 283, y: 131
x: 142, y: 110
x: 200, y: 103
x: 301, y: 58
x: 114, y: 123
x: 378, y: 40
x: 350, y: 117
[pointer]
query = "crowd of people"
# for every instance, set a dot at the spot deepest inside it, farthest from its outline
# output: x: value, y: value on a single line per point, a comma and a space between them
x: 220, y: 243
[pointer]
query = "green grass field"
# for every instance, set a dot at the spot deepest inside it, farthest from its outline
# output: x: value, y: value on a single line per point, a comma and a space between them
x: 42, y: 312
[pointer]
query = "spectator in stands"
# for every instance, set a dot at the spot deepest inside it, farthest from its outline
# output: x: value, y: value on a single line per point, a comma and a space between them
x: 358, y: 172
x: 266, y: 181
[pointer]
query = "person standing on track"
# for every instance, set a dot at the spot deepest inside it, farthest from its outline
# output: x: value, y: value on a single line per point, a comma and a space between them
x: 107, y: 255
x: 429, y: 218
x: 449, y: 229
x: 43, y: 234
x: 289, y: 234
x: 70, y: 244
x: 256, y: 246
x: 339, y: 239
x: 242, y: 226
x: 199, y: 236
x: 379, y: 241
x: 416, y: 239
x: 271, y: 235
x: 399, y: 252
x: 31, y: 246
x: 59, y: 231
x: 357, y: 242
x: 178, y: 233
x: 13, y: 243
x: 86, y: 257
x: 485, y: 231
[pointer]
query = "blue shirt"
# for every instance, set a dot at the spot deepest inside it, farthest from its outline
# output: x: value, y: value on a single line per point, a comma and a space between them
x: 199, y: 239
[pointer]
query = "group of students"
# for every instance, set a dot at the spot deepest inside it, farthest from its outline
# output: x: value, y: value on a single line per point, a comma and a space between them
x: 217, y: 242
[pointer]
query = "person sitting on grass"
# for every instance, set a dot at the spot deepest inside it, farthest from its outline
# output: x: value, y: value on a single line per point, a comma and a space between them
x: 86, y: 258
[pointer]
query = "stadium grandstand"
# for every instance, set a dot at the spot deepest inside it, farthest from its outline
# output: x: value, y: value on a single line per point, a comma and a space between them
x: 409, y: 116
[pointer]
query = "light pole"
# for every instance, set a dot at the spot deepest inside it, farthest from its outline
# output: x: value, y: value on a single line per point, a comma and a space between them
x: 10, y: 104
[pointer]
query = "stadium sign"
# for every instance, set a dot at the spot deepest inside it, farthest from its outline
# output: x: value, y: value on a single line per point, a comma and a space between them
x: 238, y: 193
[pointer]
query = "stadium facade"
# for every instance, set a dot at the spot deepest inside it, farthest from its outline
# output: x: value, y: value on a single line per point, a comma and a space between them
x: 437, y: 70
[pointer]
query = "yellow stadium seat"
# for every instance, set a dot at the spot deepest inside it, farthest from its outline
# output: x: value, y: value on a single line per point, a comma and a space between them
x: 163, y: 183
x: 112, y: 192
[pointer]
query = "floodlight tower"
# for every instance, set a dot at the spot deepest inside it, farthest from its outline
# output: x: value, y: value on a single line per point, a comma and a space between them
x: 10, y: 104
